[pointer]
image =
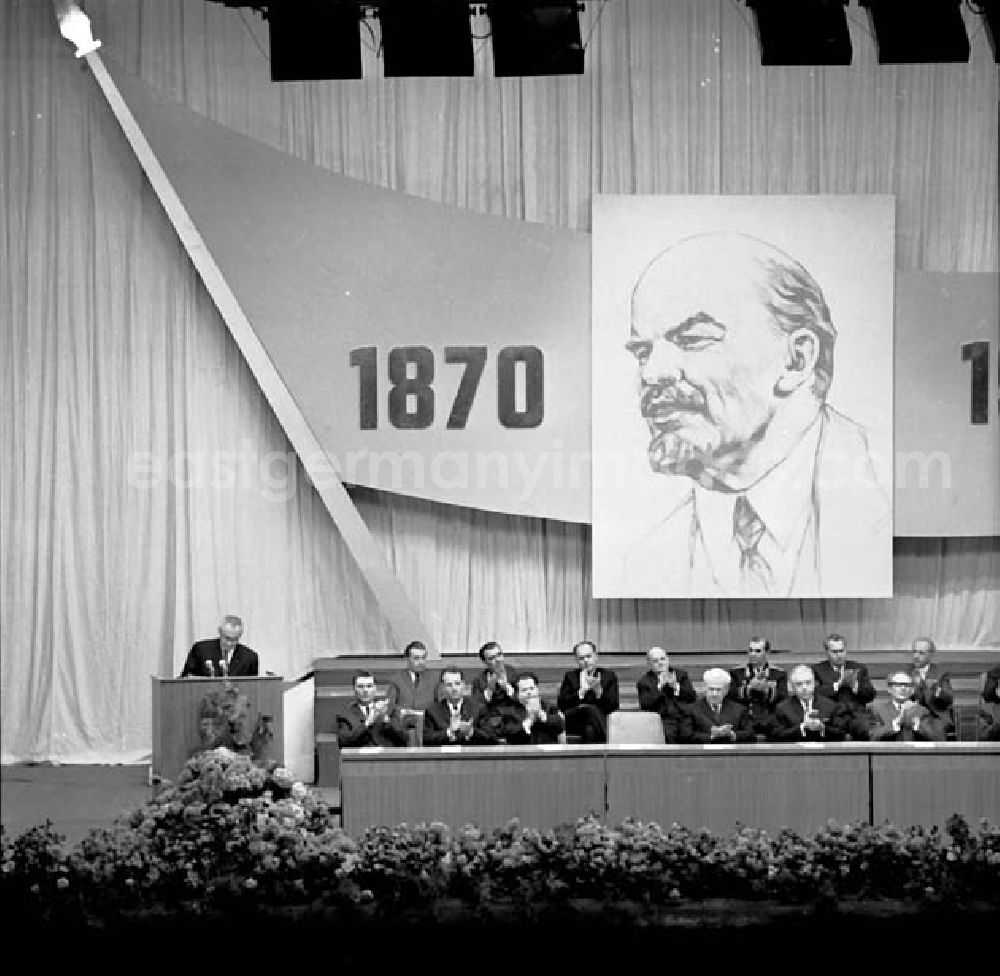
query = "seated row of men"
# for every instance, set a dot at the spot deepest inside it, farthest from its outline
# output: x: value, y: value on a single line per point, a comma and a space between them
x: 831, y: 701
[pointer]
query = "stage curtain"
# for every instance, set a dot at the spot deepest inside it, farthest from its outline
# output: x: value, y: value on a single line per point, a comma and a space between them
x: 145, y: 486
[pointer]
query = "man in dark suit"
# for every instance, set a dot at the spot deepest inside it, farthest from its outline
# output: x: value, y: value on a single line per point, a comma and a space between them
x: 414, y: 688
x: 459, y: 719
x: 989, y: 710
x: 716, y: 718
x: 496, y: 684
x: 846, y: 683
x: 805, y: 716
x: 530, y: 720
x: 899, y: 718
x: 760, y: 686
x: 588, y: 695
x: 664, y: 689
x: 223, y: 656
x: 932, y: 688
x: 369, y: 720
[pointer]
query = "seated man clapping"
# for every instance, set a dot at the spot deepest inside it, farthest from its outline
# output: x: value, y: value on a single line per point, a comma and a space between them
x: 899, y: 718
x: 458, y: 719
x: 588, y: 695
x: 666, y: 690
x: 530, y: 720
x: 805, y: 716
x: 716, y: 718
x: 369, y: 720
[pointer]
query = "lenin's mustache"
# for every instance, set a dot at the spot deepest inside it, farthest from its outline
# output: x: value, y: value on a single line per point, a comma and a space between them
x: 667, y: 398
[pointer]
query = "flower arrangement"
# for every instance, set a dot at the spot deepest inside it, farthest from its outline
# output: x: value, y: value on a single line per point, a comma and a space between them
x: 225, y: 721
x: 234, y: 835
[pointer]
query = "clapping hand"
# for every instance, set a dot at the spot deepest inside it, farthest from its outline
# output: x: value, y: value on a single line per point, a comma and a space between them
x: 533, y: 706
x: 812, y: 721
x: 463, y: 728
x: 380, y: 710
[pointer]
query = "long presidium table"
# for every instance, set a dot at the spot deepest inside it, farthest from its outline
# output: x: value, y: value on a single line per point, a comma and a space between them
x: 800, y: 786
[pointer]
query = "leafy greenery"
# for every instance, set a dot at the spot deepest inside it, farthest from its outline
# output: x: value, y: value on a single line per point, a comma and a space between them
x: 233, y: 835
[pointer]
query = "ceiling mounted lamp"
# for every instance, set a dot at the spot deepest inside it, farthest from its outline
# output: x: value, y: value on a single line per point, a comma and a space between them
x: 535, y: 38
x: 74, y: 25
x: 428, y: 39
x: 918, y: 31
x: 314, y: 40
x: 802, y: 32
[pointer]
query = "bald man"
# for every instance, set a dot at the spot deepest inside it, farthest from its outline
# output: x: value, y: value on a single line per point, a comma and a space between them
x: 735, y: 342
x: 223, y: 656
x: 666, y: 690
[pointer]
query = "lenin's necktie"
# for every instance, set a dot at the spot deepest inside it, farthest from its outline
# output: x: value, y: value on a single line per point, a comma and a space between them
x: 755, y: 573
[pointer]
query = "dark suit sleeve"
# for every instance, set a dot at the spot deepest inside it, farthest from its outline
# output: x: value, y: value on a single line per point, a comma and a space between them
x: 738, y: 691
x: 393, y: 730
x: 743, y: 729
x: 780, y: 688
x: 943, y: 697
x: 192, y: 665
x: 352, y: 731
x: 866, y: 690
x: 824, y: 681
x: 837, y: 725
x: 567, y: 697
x: 435, y: 734
x: 608, y: 701
x: 251, y: 669
x: 651, y: 698
x: 483, y: 732
x: 554, y: 722
x: 785, y: 727
x: 686, y: 692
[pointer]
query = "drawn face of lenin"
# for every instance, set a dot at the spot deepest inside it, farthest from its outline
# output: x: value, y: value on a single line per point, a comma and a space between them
x: 716, y: 364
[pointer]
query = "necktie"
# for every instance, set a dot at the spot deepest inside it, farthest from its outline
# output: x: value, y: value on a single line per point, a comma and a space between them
x: 755, y: 573
x: 715, y: 711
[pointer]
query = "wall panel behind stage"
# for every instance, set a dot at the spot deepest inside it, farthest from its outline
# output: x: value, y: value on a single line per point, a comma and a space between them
x: 109, y: 344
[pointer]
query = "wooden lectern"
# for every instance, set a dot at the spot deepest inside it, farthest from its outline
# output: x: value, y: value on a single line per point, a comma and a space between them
x: 177, y: 704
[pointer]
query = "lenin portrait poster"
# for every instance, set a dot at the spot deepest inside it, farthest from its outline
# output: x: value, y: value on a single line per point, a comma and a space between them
x: 742, y: 396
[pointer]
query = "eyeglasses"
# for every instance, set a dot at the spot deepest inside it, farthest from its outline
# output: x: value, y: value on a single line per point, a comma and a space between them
x: 902, y: 684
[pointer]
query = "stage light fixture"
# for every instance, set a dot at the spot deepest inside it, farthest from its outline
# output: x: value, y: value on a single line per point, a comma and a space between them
x: 918, y: 31
x: 432, y: 38
x: 802, y: 31
x: 535, y: 38
x: 312, y: 40
x: 74, y: 25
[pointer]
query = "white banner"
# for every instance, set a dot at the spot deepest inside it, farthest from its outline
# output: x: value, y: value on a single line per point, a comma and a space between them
x: 447, y: 355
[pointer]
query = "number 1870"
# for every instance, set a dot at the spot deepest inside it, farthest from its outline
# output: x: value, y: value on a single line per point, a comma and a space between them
x: 411, y: 401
